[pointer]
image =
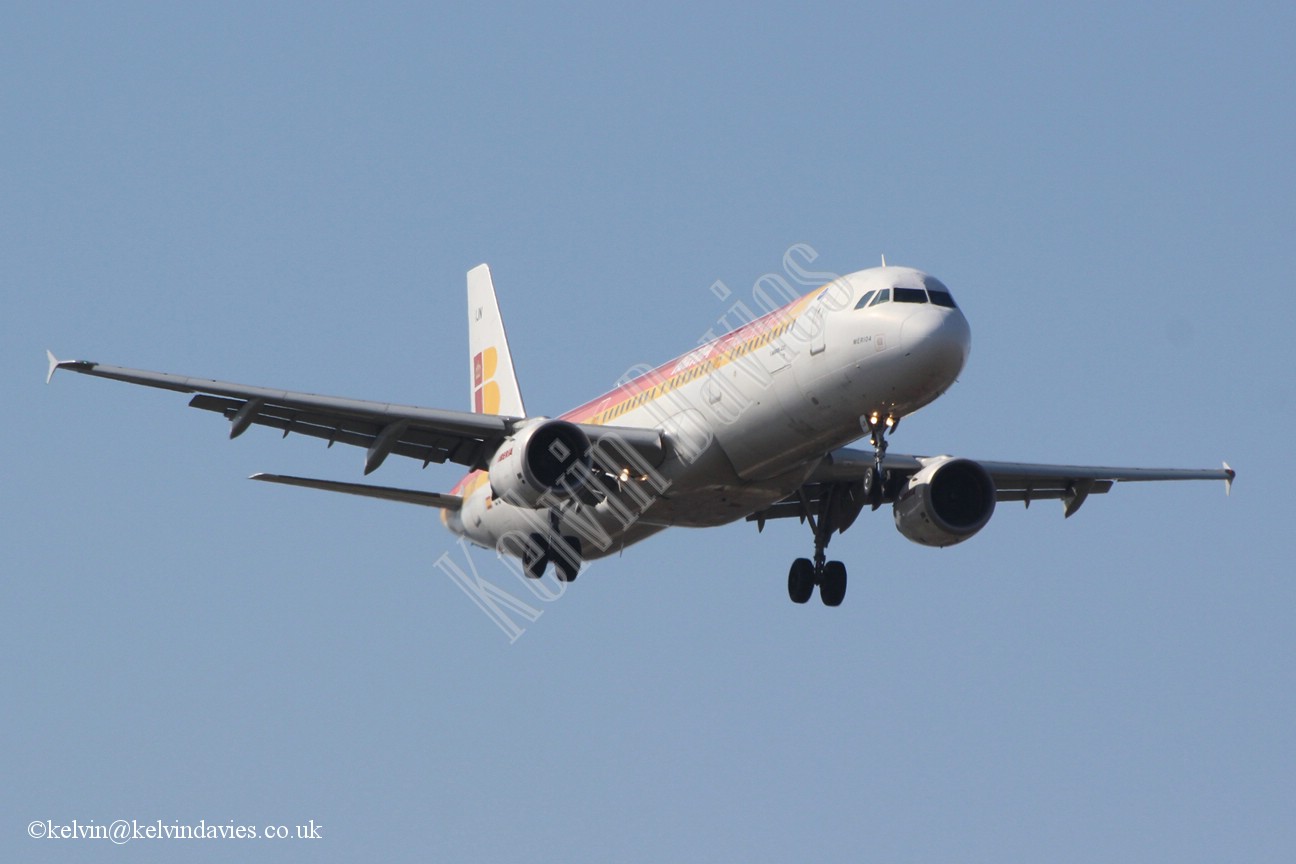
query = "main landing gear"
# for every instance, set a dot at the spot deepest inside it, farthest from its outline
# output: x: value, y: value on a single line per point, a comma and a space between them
x: 838, y: 506
x: 563, y: 550
x: 830, y: 576
x: 565, y: 555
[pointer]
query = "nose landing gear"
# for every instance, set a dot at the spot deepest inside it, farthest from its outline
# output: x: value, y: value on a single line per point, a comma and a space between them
x: 878, y: 429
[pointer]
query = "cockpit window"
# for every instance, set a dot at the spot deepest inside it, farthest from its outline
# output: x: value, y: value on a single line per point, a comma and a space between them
x: 883, y: 296
x: 940, y: 295
x: 863, y: 301
x: 910, y: 295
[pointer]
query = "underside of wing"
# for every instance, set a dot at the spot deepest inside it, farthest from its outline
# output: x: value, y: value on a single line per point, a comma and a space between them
x: 426, y: 434
x: 1012, y: 481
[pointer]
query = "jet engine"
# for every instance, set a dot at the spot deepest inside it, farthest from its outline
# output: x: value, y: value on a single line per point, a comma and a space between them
x: 550, y: 456
x: 946, y: 502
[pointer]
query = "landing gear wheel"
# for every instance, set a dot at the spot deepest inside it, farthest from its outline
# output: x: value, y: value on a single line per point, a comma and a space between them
x: 536, y: 558
x: 832, y: 584
x: 566, y: 558
x: 801, y: 580
x: 877, y: 487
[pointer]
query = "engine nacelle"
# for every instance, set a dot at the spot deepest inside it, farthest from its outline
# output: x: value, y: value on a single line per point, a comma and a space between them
x: 946, y: 502
x: 551, y: 456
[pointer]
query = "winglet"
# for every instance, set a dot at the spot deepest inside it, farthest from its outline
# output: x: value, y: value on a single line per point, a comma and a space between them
x: 56, y: 364
x: 1228, y: 481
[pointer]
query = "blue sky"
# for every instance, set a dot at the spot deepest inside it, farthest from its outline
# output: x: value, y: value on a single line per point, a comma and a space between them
x: 291, y: 196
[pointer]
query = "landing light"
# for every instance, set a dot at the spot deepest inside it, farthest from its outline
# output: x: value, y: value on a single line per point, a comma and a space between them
x: 625, y: 475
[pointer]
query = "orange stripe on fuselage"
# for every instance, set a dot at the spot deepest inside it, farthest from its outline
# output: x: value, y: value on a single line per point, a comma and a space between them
x: 676, y: 373
x: 671, y: 375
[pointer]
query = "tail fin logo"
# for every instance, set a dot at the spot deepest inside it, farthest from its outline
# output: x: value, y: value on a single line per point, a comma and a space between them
x: 486, y: 390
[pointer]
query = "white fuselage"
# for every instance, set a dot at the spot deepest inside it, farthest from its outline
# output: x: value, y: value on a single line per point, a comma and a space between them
x: 751, y: 414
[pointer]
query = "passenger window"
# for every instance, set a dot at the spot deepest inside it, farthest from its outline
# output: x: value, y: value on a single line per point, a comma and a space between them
x: 910, y: 295
x: 864, y: 300
x: 883, y: 296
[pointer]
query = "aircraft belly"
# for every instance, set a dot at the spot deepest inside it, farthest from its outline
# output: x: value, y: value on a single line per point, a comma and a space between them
x: 719, y: 503
x: 711, y: 507
x: 603, y: 528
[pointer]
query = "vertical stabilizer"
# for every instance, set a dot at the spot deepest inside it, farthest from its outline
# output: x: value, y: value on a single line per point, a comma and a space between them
x: 493, y: 381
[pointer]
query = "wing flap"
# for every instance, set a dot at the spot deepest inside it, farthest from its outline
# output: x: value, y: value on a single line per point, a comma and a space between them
x: 414, y: 441
x: 1053, y: 493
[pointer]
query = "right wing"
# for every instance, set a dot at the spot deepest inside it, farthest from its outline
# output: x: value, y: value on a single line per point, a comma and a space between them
x: 426, y: 434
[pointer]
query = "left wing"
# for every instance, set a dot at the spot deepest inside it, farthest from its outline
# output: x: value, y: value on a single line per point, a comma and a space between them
x: 386, y: 493
x: 1014, y: 481
x: 426, y: 434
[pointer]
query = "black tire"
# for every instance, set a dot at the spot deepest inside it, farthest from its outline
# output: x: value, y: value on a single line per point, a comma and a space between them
x: 832, y: 586
x: 801, y: 580
x: 876, y: 488
x: 566, y: 558
x: 535, y: 566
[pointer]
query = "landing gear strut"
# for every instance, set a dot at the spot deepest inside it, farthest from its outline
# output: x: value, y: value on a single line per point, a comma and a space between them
x: 878, y: 429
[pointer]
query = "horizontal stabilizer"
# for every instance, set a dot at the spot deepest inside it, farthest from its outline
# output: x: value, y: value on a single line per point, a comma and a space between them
x: 406, y: 496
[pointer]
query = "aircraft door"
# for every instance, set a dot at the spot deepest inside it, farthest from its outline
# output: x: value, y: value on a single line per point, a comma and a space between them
x: 810, y: 326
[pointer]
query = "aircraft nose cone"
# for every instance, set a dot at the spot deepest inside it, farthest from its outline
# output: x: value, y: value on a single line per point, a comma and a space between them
x: 939, y: 339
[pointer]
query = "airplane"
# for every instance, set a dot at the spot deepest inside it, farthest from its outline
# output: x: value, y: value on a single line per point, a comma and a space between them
x: 751, y: 425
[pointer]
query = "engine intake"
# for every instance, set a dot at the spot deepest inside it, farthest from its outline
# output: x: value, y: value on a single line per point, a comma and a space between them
x: 946, y: 502
x: 552, y: 456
